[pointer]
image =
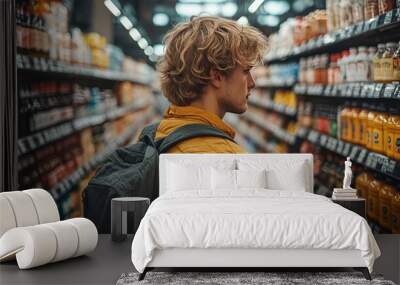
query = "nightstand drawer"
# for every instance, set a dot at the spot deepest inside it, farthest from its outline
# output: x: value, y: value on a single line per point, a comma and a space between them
x: 357, y: 205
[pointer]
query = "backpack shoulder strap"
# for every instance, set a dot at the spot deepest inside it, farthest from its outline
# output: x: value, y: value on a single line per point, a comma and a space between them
x: 149, y: 131
x: 188, y: 132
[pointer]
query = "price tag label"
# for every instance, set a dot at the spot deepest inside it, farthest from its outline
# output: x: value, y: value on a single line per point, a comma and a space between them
x: 327, y: 91
x: 377, y: 89
x: 396, y: 93
x: 313, y: 136
x: 388, y: 17
x: 371, y: 161
x: 364, y: 91
x: 359, y: 28
x: 322, y: 140
x: 388, y: 166
x: 354, y: 152
x: 389, y: 91
x: 339, y: 148
x: 361, y: 156
x: 357, y: 90
x: 374, y: 23
x: 346, y: 149
x: 350, y: 89
x: 334, y: 91
x: 366, y: 26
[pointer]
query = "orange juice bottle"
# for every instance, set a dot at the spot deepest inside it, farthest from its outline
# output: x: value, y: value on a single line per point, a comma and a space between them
x: 385, y: 205
x: 373, y: 200
x: 355, y: 123
x: 363, y: 118
x: 362, y: 183
x: 396, y: 213
x: 370, y: 126
x: 389, y: 131
x: 377, y: 129
x: 344, y: 122
x: 395, y: 129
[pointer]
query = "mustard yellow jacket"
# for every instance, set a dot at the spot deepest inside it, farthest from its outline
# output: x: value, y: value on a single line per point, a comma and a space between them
x: 176, y: 116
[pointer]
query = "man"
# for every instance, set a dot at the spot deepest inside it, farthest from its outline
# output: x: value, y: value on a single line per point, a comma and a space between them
x: 205, y: 73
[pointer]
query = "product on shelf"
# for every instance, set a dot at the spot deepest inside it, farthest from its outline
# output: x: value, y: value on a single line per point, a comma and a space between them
x: 396, y: 213
x: 391, y: 132
x: 386, y: 195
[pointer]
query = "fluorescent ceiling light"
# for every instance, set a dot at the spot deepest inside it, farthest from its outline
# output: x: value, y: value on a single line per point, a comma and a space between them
x: 276, y: 7
x: 243, y: 21
x: 148, y: 50
x: 112, y: 7
x: 188, y: 10
x: 268, y: 20
x: 160, y: 19
x: 229, y: 9
x: 300, y: 5
x: 201, y: 1
x: 212, y: 8
x: 135, y: 35
x: 143, y: 43
x: 254, y: 6
x: 126, y: 22
x: 159, y: 50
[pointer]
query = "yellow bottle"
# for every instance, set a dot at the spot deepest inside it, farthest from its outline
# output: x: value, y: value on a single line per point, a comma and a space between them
x: 344, y: 122
x: 362, y: 184
x: 396, y: 213
x: 387, y: 71
x: 389, y: 130
x: 370, y: 124
x: 385, y: 205
x: 377, y: 129
x: 373, y: 200
x: 363, y: 118
x: 355, y: 124
x: 377, y: 75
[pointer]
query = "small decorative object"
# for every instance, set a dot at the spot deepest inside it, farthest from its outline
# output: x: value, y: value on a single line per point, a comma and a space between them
x: 347, y: 174
x: 345, y: 193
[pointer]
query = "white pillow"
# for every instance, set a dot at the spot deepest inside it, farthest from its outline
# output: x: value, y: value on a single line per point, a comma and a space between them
x: 223, y: 179
x: 251, y: 179
x: 282, y: 174
x: 182, y: 177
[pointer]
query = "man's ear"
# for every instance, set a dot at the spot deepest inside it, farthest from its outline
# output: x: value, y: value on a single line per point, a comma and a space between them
x: 216, y: 78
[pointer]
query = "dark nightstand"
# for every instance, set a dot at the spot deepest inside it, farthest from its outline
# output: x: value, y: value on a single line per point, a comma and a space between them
x: 356, y: 205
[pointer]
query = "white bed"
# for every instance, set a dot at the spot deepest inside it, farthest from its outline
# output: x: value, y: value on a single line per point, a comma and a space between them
x: 249, y: 227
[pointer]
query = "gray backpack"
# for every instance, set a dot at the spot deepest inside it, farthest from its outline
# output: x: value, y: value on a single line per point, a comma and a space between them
x: 133, y: 171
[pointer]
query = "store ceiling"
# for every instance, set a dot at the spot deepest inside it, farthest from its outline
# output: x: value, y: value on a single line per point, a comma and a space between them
x: 154, y: 18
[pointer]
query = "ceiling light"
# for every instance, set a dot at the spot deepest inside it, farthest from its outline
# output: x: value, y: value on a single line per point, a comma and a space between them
x: 135, y: 35
x: 160, y: 19
x: 159, y: 50
x: 276, y: 7
x: 143, y: 43
x: 126, y: 22
x: 188, y: 10
x: 201, y: 1
x: 148, y: 50
x: 268, y: 20
x: 254, y: 6
x: 243, y: 21
x: 229, y: 9
x: 300, y: 5
x: 112, y: 7
x: 212, y: 8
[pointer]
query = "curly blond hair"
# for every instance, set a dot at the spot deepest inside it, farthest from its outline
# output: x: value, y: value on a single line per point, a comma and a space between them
x: 194, y: 48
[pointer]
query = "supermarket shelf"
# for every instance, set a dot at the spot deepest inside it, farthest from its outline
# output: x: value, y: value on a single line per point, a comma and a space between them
x: 265, y: 83
x: 68, y: 183
x: 35, y: 64
x: 270, y: 105
x: 344, y: 37
x: 372, y: 160
x: 351, y: 90
x: 39, y: 139
x: 254, y: 137
x: 273, y: 129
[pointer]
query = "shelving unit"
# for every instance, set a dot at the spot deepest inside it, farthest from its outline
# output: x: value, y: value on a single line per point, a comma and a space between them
x: 357, y: 34
x: 270, y: 105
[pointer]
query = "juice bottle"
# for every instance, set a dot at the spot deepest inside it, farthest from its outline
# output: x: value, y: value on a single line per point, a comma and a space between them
x: 377, y: 73
x: 395, y: 128
x: 377, y: 129
x: 344, y: 121
x: 389, y: 130
x: 371, y: 56
x: 370, y: 119
x: 363, y: 118
x: 373, y: 199
x: 386, y: 194
x: 362, y: 182
x: 355, y: 123
x: 396, y: 213
x: 362, y: 64
x: 396, y: 64
x: 387, y: 62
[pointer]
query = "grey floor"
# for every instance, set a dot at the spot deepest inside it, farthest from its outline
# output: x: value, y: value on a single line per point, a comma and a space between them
x: 110, y: 260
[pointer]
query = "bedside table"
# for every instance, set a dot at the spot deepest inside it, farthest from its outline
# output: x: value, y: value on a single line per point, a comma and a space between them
x: 356, y: 205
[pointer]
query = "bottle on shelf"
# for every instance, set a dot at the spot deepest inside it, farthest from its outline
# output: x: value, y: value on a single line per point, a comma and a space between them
x: 396, y: 213
x: 385, y: 205
x: 362, y: 68
x: 372, y: 113
x: 390, y: 128
x: 355, y: 123
x: 363, y: 119
x: 344, y: 125
x: 377, y: 125
x: 387, y: 71
x: 396, y: 63
x: 373, y: 200
x: 377, y: 70
x: 371, y: 56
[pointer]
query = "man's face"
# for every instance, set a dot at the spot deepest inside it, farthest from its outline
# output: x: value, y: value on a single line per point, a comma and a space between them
x: 236, y: 90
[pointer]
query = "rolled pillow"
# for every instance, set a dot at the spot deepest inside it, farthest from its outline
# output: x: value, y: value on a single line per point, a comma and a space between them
x: 23, y: 208
x: 40, y: 244
x: 46, y: 208
x: 7, y: 218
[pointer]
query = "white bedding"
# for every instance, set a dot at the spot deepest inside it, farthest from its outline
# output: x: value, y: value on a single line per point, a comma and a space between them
x: 252, y: 218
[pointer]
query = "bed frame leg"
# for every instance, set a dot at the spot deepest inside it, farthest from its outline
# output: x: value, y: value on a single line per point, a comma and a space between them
x: 143, y: 274
x: 364, y: 271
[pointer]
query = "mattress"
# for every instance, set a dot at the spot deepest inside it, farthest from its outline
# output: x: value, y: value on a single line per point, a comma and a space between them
x: 251, y: 218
